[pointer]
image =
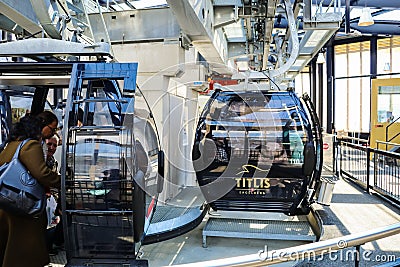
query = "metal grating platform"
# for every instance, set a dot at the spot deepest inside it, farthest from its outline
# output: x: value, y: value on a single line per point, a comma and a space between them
x: 258, y: 229
x: 164, y: 213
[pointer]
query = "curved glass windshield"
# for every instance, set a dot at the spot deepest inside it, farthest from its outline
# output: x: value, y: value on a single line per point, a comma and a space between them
x: 270, y: 127
x: 146, y: 143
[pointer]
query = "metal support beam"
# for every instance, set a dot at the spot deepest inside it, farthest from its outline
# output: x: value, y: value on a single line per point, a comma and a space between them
x: 320, y: 92
x: 307, y: 9
x: 294, y: 44
x: 330, y: 74
x: 380, y: 27
x: 10, y: 26
x: 319, y: 28
x: 53, y: 17
x: 347, y: 16
x: 51, y: 47
x: 21, y: 12
x: 269, y: 26
x: 225, y: 15
x: 196, y: 19
x: 373, y: 57
x: 313, y: 89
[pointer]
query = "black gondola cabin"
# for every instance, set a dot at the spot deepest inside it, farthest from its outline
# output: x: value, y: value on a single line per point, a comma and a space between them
x: 257, y: 151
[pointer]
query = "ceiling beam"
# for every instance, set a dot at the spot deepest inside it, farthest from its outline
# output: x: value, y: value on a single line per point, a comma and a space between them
x: 50, y: 47
x: 384, y: 4
x: 196, y: 19
x: 380, y: 27
x: 8, y: 25
x: 21, y: 13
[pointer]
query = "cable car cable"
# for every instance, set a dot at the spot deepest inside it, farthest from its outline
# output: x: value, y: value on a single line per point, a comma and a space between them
x: 263, y: 72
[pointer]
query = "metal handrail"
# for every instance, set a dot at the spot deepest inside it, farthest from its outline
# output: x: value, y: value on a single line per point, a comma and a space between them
x: 387, y: 130
x: 385, y: 143
x: 353, y: 138
x: 264, y: 258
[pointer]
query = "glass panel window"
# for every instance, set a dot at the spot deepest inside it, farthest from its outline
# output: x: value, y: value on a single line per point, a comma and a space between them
x: 354, y: 65
x: 341, y: 65
x: 354, y: 105
x: 366, y: 104
x: 341, y: 104
x: 383, y: 61
x: 388, y: 103
x: 395, y: 63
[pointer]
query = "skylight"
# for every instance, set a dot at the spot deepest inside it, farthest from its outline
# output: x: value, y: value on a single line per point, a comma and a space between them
x: 390, y: 16
x: 142, y: 4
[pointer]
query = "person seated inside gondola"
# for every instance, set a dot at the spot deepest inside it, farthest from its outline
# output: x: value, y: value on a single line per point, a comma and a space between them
x: 111, y: 180
x: 279, y: 153
x: 291, y: 139
x: 109, y: 188
x: 233, y: 109
x: 221, y: 154
x: 211, y: 154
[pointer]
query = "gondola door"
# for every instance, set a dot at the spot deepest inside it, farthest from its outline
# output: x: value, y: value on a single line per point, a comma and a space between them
x: 102, y: 181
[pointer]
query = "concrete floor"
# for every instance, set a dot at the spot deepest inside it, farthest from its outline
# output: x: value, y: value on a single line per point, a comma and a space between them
x: 188, y: 248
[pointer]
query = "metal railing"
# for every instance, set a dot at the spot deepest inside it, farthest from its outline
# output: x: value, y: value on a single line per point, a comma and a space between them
x: 308, y: 251
x: 387, y: 130
x: 371, y: 168
x: 354, y: 160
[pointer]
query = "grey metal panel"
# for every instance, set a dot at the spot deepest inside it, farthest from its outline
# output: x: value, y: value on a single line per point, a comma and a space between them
x: 227, y: 3
x: 172, y: 217
x: 80, y: 19
x: 224, y: 15
x: 189, y: 20
x: 260, y: 229
x: 21, y: 12
x: 319, y: 30
x: 136, y: 25
x: 28, y: 80
x: 48, y: 14
x: 9, y: 25
x: 45, y: 46
x: 196, y: 21
x: 294, y: 43
x: 236, y: 49
x: 324, y: 21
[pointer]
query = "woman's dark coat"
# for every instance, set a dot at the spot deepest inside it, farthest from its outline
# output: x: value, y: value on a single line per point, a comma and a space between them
x: 22, y: 239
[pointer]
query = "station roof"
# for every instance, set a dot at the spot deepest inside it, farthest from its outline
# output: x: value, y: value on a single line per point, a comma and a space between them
x: 386, y: 14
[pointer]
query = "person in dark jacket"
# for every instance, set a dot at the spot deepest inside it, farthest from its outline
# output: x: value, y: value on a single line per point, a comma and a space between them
x: 22, y: 239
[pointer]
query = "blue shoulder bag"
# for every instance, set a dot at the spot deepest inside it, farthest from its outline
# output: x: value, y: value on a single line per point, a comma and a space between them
x: 20, y: 192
